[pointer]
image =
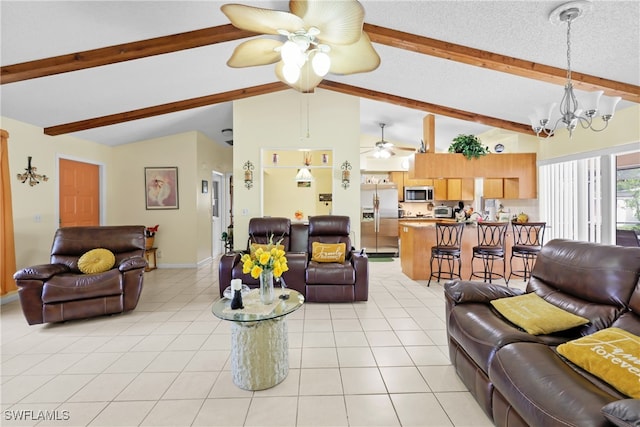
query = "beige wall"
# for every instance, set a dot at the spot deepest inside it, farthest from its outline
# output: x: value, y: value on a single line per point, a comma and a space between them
x: 35, y: 209
x: 279, y: 121
x: 184, y: 237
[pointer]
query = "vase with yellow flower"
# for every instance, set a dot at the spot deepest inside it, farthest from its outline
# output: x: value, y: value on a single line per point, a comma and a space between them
x: 266, y: 262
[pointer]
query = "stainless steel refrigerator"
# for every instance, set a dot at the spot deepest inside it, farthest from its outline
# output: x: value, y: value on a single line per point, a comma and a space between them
x: 379, y: 223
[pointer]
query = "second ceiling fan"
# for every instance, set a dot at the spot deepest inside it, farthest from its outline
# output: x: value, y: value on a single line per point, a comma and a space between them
x: 385, y: 149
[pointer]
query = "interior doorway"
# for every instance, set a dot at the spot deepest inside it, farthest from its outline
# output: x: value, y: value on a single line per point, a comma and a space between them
x: 79, y: 193
x: 218, y: 207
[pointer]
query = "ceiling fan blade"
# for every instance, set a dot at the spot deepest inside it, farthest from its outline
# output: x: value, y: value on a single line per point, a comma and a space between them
x: 340, y: 22
x: 405, y: 149
x: 260, y: 20
x: 306, y: 83
x: 255, y: 52
x: 359, y: 57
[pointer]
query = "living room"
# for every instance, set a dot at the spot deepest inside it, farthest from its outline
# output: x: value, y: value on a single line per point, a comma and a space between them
x: 367, y: 363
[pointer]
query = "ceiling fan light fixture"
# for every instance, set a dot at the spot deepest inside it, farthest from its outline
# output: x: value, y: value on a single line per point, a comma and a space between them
x: 321, y: 63
x: 291, y: 72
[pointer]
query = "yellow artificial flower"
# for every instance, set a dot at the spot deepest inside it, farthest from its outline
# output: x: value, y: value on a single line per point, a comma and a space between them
x: 256, y: 271
x: 277, y: 271
x: 263, y: 258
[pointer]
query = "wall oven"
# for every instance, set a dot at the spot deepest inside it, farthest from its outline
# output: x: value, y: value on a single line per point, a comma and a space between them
x: 418, y: 194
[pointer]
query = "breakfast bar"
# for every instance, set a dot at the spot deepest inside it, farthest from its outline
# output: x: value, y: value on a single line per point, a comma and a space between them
x: 418, y: 236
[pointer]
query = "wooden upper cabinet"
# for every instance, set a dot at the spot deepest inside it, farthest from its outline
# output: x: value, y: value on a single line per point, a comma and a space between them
x: 493, y: 188
x: 440, y: 189
x: 518, y: 169
x: 398, y: 179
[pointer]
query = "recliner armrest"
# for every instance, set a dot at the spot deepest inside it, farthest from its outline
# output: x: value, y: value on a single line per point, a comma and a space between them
x: 461, y: 291
x: 132, y: 263
x: 623, y: 413
x: 41, y: 272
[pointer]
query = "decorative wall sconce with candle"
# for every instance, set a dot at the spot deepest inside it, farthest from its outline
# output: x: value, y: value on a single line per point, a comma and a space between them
x: 31, y: 175
x: 346, y: 174
x: 248, y: 174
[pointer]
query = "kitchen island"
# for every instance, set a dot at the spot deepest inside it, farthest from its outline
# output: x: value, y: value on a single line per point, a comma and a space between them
x: 417, y: 238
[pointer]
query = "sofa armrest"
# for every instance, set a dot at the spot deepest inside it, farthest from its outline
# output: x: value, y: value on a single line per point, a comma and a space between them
x: 225, y: 269
x: 40, y: 272
x: 360, y: 263
x: 623, y: 413
x: 295, y: 278
x: 461, y: 291
x: 132, y: 263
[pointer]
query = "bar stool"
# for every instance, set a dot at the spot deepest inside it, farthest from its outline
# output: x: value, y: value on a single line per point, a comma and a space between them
x: 490, y: 248
x: 447, y: 249
x: 528, y: 238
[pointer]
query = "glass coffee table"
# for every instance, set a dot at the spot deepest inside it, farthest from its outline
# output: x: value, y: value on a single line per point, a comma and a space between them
x: 259, y: 338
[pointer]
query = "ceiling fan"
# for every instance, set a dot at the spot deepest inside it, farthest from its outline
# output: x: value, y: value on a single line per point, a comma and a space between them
x: 385, y: 149
x: 320, y: 37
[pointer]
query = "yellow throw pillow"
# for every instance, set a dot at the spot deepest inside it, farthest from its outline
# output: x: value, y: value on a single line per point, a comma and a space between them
x: 255, y: 246
x: 535, y: 315
x: 96, y: 261
x: 611, y: 354
x: 325, y: 252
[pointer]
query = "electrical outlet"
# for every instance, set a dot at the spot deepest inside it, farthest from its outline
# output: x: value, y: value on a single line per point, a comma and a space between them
x: 159, y: 253
x: 37, y: 218
x: 245, y: 211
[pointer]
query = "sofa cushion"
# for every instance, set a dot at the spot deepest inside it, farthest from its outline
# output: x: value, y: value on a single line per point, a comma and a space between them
x: 327, y: 252
x: 623, y: 413
x: 612, y: 354
x: 68, y: 287
x: 96, y: 261
x: 535, y: 315
x: 544, y: 390
x: 330, y: 273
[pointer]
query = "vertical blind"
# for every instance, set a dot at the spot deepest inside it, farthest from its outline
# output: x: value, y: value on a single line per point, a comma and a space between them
x: 570, y: 199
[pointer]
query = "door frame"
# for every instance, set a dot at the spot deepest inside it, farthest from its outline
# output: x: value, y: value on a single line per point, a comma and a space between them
x: 102, y: 186
x: 222, y: 214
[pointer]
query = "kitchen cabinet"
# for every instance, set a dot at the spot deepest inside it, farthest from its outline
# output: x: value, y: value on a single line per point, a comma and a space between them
x: 416, y: 182
x: 501, y: 188
x: 440, y: 189
x: 460, y: 189
x: 517, y: 171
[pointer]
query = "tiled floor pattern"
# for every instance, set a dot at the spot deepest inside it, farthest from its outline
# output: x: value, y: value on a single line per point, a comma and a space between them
x: 383, y: 362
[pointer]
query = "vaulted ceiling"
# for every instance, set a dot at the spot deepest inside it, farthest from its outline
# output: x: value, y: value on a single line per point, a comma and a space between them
x: 116, y: 72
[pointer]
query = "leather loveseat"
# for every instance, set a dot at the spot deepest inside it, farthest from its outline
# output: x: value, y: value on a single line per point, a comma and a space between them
x: 59, y: 291
x: 318, y: 282
x: 521, y: 379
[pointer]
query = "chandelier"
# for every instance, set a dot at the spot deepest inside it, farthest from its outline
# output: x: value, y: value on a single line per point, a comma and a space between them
x: 571, y: 113
x: 304, y: 174
x: 298, y: 49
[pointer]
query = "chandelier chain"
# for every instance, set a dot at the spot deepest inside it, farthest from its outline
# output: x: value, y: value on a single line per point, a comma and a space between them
x: 569, y: 50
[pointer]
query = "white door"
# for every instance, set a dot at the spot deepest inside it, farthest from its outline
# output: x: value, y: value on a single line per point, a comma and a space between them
x: 217, y: 210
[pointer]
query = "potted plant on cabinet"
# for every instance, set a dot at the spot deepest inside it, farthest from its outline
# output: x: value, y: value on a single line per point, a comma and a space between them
x: 469, y: 146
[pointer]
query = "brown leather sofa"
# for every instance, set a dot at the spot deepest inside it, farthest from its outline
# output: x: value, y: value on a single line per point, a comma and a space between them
x: 58, y: 291
x: 318, y: 282
x: 519, y: 379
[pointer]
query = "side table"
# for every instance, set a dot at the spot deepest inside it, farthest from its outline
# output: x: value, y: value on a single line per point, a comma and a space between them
x: 259, y: 338
x: 150, y: 254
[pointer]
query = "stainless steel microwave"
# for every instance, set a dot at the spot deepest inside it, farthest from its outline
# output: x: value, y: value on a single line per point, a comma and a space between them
x: 418, y: 194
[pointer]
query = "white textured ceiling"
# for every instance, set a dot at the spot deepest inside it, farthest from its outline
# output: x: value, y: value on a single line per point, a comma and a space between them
x: 605, y: 43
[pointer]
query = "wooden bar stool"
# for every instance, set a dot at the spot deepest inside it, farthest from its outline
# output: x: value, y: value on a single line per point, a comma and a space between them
x: 528, y: 238
x: 490, y: 248
x: 447, y: 250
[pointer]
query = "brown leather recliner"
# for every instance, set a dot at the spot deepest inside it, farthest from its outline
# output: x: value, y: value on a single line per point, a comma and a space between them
x: 335, y: 282
x: 59, y: 291
x: 260, y: 230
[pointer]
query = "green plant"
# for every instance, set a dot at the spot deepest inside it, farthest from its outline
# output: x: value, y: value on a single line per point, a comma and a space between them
x: 468, y: 145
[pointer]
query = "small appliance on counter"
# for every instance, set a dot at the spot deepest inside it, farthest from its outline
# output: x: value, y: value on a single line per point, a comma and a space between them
x: 443, y: 211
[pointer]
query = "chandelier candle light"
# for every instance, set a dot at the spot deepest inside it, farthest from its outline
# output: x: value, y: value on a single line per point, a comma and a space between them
x: 31, y: 175
x: 570, y: 113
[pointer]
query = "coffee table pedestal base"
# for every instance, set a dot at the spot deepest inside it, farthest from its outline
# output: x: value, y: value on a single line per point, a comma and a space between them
x: 259, y: 353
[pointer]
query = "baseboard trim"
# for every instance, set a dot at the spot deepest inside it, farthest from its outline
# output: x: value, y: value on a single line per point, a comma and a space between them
x: 10, y: 297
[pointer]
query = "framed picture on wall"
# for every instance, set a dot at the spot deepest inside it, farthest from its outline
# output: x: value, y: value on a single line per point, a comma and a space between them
x: 161, y: 187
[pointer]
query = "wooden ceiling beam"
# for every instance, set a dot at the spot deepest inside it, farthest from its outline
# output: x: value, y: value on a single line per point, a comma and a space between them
x: 497, y: 62
x: 425, y: 106
x: 170, y: 107
x: 120, y: 53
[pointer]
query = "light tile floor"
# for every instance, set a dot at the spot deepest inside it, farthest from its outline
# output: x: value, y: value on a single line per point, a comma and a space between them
x: 383, y: 362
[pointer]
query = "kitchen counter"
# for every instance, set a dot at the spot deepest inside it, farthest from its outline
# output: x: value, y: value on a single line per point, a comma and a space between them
x: 417, y: 238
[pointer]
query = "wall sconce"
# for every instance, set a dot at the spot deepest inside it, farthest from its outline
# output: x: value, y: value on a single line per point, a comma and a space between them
x: 31, y: 175
x: 346, y: 174
x: 248, y: 174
